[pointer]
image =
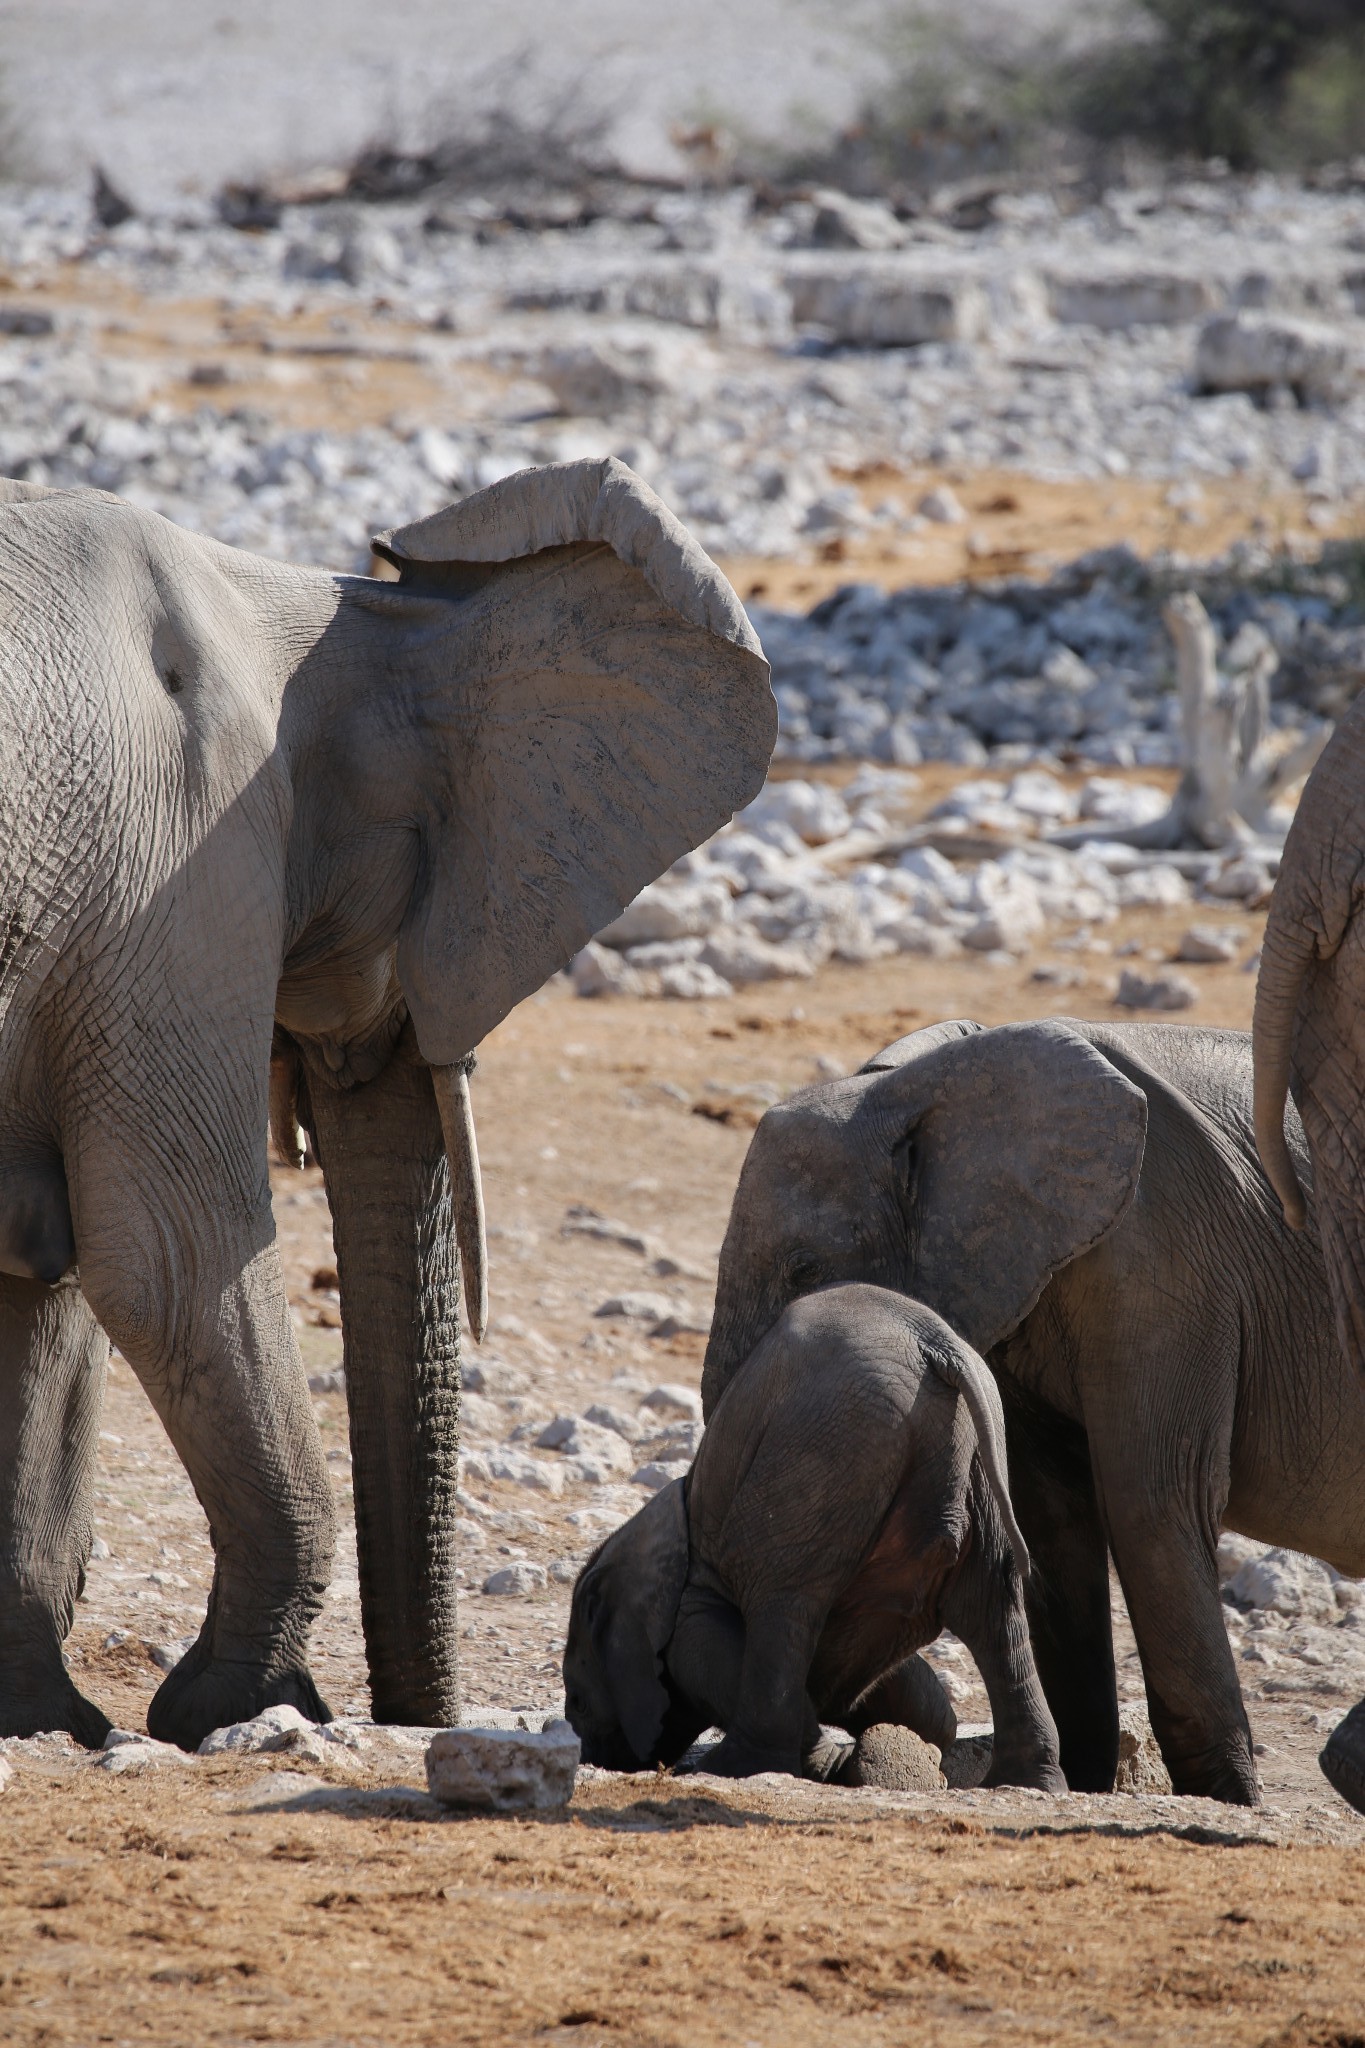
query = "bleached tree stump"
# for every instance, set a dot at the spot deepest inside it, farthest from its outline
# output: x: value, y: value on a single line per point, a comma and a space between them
x: 1231, y: 771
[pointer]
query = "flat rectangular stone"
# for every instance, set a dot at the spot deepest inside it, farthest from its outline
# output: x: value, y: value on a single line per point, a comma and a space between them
x: 495, y: 1770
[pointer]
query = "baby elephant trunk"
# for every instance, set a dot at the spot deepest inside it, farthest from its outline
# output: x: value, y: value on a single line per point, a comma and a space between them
x: 969, y: 1374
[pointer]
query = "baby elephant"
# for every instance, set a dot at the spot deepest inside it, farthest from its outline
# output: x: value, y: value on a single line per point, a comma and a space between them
x: 848, y: 1502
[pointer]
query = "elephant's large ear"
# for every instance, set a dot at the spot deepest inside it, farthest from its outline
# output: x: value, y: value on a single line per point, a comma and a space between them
x: 635, y: 1606
x: 599, y: 703
x: 1025, y: 1146
x: 916, y: 1043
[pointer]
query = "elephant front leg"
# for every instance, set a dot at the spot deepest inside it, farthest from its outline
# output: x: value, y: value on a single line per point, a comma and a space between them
x: 52, y: 1365
x: 227, y: 1381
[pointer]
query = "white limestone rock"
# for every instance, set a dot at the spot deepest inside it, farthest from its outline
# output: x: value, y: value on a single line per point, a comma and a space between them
x: 814, y: 811
x: 669, y: 909
x: 1132, y: 298
x: 1258, y: 352
x: 660, y: 1472
x: 1141, y: 1767
x: 485, y: 1770
x: 843, y: 222
x: 1157, y: 992
x: 943, y: 506
x: 598, y: 971
x: 886, y: 305
x: 125, y: 1749
x: 277, y: 1729
x: 671, y: 1399
x: 692, y: 981
x: 1285, y: 1583
x: 740, y: 957
x: 635, y: 1308
x: 605, y: 374
x: 516, y: 1580
x: 1207, y: 944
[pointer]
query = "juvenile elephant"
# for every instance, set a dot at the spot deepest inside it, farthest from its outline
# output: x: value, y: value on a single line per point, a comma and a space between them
x: 1084, y: 1205
x: 245, y: 809
x: 849, y: 1501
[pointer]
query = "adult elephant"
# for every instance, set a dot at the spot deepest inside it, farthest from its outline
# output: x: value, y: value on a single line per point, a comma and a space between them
x: 248, y: 807
x: 1083, y: 1203
x: 1309, y: 1040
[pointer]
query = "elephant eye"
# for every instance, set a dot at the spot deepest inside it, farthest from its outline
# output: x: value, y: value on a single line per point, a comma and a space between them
x: 803, y: 1271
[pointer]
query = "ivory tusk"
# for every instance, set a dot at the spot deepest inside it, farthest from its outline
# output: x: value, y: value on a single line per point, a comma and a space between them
x: 466, y: 1190
x: 284, y: 1112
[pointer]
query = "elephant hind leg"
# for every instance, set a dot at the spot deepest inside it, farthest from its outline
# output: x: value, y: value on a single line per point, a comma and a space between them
x: 53, y: 1357
x: 1163, y: 1530
x: 1067, y: 1596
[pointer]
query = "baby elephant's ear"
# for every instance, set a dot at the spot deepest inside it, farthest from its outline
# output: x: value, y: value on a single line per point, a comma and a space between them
x: 636, y: 1607
x: 598, y: 704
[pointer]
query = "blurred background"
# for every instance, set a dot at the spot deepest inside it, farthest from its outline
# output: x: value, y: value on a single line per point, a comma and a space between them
x: 961, y: 335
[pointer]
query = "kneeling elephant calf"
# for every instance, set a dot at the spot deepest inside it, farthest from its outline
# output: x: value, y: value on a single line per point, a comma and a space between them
x: 848, y: 1502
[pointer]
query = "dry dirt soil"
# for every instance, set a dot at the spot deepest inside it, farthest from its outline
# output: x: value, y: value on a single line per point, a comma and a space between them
x: 255, y: 1899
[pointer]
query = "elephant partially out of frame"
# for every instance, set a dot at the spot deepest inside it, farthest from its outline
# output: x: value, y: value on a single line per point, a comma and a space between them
x: 280, y: 843
x: 1309, y: 1039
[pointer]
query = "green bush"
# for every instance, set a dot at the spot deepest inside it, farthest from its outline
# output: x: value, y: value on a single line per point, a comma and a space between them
x: 1275, y: 83
x: 1253, y: 81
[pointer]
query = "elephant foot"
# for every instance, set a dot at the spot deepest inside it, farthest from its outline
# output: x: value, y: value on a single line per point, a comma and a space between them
x: 206, y: 1692
x: 1343, y: 1759
x: 736, y: 1758
x: 1229, y: 1775
x: 59, y: 1710
x: 1042, y: 1776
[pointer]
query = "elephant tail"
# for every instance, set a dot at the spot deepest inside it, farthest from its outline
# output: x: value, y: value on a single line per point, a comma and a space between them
x: 968, y: 1374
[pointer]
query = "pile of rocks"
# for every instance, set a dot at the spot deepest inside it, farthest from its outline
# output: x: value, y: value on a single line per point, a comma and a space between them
x: 808, y: 873
x: 1289, y: 1617
x: 747, y: 355
x: 1080, y: 664
x: 641, y: 1442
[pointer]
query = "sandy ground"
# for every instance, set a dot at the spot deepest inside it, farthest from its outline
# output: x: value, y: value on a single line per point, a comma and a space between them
x: 245, y: 1900
x: 646, y: 1915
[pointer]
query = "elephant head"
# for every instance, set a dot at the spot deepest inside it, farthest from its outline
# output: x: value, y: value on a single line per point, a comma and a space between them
x: 1309, y: 1028
x: 488, y: 759
x: 624, y: 1608
x: 963, y: 1167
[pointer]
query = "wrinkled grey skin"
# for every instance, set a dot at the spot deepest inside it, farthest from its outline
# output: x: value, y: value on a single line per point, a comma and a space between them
x: 1084, y: 1205
x: 849, y: 1501
x: 247, y: 807
x: 1308, y: 1038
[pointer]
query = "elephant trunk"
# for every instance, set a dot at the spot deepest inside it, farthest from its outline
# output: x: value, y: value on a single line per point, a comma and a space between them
x: 1285, y: 958
x: 383, y: 1155
x: 457, y: 1125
